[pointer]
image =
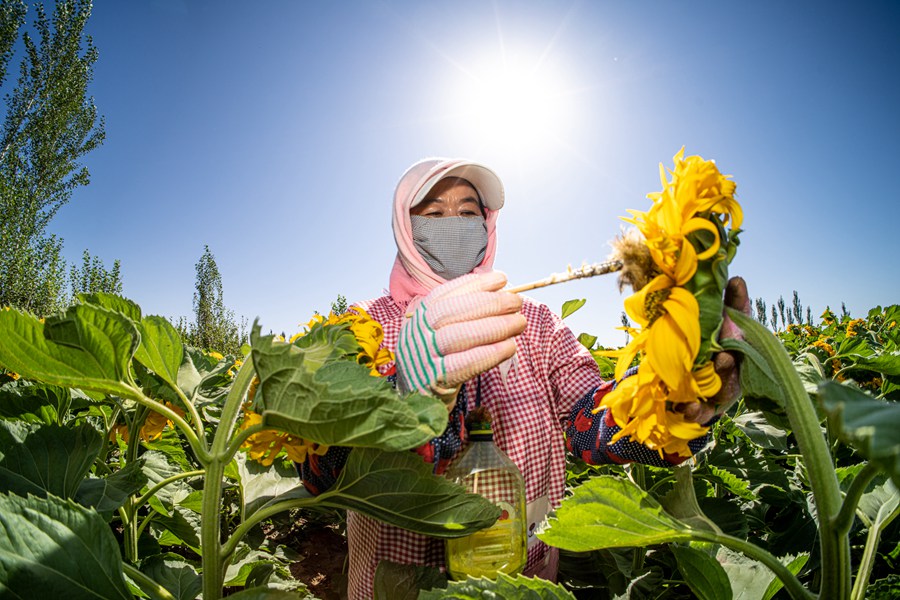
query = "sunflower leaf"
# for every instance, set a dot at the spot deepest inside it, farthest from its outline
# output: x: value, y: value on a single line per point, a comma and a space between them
x: 399, y: 488
x: 339, y: 403
x: 54, y: 548
x: 41, y: 459
x: 702, y: 573
x: 503, y: 586
x: 609, y: 512
x: 871, y: 426
x: 87, y: 347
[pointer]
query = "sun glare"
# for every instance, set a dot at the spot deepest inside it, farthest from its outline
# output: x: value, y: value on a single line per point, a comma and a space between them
x: 515, y: 104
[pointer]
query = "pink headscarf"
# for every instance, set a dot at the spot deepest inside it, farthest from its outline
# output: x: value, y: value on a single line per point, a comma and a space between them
x: 411, y: 275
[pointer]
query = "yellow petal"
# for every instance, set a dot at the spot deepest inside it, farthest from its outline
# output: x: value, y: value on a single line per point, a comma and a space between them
x: 667, y: 352
x: 682, y: 306
x: 697, y: 224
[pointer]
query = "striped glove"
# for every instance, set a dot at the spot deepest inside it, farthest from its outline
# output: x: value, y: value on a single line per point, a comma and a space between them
x: 462, y: 328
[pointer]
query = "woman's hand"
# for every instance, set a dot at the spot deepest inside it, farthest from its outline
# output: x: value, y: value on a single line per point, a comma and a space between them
x: 727, y: 364
x: 462, y: 328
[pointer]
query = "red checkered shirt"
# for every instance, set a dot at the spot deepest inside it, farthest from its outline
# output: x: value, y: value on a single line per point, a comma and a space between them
x: 550, y: 372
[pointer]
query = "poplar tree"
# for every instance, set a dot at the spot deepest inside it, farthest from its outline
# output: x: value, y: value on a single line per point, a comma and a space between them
x: 214, y: 327
x: 49, y: 125
x: 93, y: 276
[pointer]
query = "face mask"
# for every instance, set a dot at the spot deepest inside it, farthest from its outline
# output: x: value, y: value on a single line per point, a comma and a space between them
x: 452, y: 246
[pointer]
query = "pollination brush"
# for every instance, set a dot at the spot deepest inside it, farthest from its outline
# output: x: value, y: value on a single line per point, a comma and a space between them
x: 584, y: 271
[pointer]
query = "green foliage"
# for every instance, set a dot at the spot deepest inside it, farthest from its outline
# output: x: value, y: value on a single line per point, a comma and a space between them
x: 151, y: 452
x: 345, y: 394
x: 93, y: 277
x: 49, y: 125
x: 214, y: 327
x: 524, y: 588
x: 53, y: 548
x: 570, y: 306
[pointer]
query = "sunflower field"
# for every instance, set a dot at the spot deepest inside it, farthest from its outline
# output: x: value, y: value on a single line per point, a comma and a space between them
x: 135, y: 466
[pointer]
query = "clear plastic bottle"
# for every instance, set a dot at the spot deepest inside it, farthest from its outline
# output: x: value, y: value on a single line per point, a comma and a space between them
x: 484, y: 469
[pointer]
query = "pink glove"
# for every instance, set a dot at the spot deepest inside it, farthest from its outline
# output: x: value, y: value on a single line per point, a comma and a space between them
x: 462, y: 328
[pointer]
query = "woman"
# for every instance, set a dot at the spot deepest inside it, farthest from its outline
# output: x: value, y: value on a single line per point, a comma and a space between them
x: 457, y: 335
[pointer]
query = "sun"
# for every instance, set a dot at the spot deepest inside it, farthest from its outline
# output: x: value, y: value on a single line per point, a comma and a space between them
x: 517, y: 101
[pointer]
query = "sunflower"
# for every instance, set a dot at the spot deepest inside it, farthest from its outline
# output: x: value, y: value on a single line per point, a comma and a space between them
x: 369, y: 335
x: 684, y: 229
x: 264, y: 446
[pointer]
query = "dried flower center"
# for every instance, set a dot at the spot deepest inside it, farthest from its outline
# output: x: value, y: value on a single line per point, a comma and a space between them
x: 653, y: 304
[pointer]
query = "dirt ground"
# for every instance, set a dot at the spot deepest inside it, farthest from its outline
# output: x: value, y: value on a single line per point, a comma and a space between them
x: 322, y: 567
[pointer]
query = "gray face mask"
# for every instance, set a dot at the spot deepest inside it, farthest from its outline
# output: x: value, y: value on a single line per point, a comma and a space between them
x: 452, y: 246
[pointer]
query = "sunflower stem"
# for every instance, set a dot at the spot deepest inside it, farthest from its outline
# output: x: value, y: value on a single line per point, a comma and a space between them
x: 210, y: 521
x: 835, y: 545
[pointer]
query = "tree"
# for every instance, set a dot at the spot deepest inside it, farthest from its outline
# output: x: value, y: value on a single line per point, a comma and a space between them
x: 50, y: 123
x: 214, y: 327
x: 93, y: 277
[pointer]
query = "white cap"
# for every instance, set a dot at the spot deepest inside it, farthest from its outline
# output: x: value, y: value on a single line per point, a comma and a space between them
x: 484, y: 180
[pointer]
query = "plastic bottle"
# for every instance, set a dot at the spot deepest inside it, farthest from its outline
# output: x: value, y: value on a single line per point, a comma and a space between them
x: 484, y: 469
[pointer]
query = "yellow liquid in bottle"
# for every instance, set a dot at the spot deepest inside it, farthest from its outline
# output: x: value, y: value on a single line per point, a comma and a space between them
x: 497, y: 549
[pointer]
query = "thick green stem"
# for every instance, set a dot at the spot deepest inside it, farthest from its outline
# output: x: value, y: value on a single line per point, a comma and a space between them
x: 146, y: 584
x: 790, y: 581
x: 210, y: 522
x: 835, y: 546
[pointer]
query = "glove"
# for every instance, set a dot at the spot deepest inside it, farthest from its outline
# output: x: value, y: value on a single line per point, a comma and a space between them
x: 462, y: 328
x: 727, y: 364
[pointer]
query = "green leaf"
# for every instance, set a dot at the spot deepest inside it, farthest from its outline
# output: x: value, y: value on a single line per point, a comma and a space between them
x: 157, y: 467
x: 880, y: 505
x: 794, y: 567
x: 587, y: 340
x: 395, y: 581
x: 757, y: 428
x: 174, y: 573
x: 260, y: 484
x: 887, y: 363
x: 248, y: 565
x: 609, y: 512
x: 42, y: 459
x: 681, y: 502
x: 54, y: 548
x: 570, y: 306
x: 161, y: 350
x: 399, y: 488
x: 88, y: 347
x: 736, y: 485
x: 521, y: 587
x: 749, y: 578
x: 757, y: 379
x: 274, y: 575
x: 702, y: 573
x: 871, y: 426
x: 182, y: 526
x: 33, y: 402
x: 263, y: 593
x: 109, y: 493
x: 339, y: 404
x: 113, y: 302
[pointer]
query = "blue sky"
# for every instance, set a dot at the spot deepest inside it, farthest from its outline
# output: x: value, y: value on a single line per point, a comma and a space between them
x: 275, y: 132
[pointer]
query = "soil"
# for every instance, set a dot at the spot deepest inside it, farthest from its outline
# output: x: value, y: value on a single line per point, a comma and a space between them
x: 322, y: 567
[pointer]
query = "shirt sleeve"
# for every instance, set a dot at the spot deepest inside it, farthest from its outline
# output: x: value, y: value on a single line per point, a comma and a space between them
x: 319, y: 473
x: 588, y: 435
